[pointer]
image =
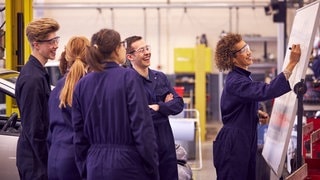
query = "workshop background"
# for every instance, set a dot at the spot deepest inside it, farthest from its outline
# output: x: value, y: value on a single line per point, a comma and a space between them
x: 182, y: 35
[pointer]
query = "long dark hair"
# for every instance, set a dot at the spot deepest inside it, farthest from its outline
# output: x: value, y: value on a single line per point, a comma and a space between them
x: 103, y: 43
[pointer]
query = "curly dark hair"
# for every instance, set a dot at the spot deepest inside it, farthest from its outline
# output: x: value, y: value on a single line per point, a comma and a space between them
x: 225, y: 51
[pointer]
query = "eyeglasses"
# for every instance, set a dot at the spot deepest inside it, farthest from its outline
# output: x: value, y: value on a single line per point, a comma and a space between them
x: 245, y: 48
x: 50, y: 41
x: 141, y: 49
x: 124, y: 44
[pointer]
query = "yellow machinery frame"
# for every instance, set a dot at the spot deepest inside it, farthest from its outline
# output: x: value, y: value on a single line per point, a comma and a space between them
x: 12, y: 9
x: 200, y: 87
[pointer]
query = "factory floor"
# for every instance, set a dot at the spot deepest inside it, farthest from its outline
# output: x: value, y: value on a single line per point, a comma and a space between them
x: 207, y: 171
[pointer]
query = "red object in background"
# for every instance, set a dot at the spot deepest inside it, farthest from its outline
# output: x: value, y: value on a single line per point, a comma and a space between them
x: 314, y: 161
x: 313, y: 169
x: 316, y: 122
x: 307, y: 129
x: 315, y: 151
x: 179, y: 90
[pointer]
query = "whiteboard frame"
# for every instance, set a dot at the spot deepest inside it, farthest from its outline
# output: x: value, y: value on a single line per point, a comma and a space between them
x: 285, y: 107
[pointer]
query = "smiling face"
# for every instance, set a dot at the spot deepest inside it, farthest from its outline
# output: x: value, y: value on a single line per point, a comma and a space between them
x: 41, y: 34
x: 140, y: 57
x: 242, y: 55
x: 46, y: 48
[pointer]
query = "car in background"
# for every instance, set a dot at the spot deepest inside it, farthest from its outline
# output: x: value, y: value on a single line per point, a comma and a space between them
x: 52, y: 67
x: 9, y: 125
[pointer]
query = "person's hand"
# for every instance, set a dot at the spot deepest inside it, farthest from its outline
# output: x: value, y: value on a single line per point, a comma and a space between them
x: 294, y: 57
x: 169, y: 97
x: 263, y: 117
x: 155, y: 107
x: 295, y: 54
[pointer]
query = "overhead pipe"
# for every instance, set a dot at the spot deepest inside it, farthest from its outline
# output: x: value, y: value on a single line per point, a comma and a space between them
x: 112, y: 18
x: 149, y: 5
x: 230, y: 19
x: 237, y: 19
x: 159, y: 39
x: 145, y: 23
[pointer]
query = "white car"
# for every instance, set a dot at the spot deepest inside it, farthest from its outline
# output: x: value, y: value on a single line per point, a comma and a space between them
x: 10, y: 121
x: 9, y: 125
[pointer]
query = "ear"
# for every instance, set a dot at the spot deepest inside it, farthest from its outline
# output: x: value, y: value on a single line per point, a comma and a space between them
x: 35, y: 44
x: 234, y: 60
x: 129, y: 57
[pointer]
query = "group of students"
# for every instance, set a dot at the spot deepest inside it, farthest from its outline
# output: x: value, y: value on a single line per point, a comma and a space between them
x: 102, y: 120
x: 107, y: 121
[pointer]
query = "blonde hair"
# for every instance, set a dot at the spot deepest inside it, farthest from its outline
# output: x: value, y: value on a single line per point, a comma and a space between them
x: 75, y: 55
x: 40, y: 28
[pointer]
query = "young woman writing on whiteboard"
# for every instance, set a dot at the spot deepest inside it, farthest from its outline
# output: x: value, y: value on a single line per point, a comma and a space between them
x: 235, y: 147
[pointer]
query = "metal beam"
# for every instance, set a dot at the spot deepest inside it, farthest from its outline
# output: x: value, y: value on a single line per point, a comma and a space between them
x: 208, y: 5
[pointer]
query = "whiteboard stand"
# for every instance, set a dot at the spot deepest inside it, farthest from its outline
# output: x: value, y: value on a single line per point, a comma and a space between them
x: 300, y: 89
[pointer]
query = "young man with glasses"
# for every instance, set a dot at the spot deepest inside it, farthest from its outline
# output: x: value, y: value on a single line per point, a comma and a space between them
x: 163, y: 101
x: 32, y: 94
x: 235, y: 147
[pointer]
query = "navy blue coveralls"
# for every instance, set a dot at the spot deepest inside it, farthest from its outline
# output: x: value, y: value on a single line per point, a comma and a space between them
x: 32, y: 94
x: 157, y: 87
x: 61, y: 158
x: 316, y: 67
x: 235, y: 147
x: 114, y: 133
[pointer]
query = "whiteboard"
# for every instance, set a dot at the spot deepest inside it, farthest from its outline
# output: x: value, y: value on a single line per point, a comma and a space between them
x: 304, y: 27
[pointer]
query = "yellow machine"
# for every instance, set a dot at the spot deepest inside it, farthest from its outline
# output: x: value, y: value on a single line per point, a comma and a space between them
x: 17, y: 14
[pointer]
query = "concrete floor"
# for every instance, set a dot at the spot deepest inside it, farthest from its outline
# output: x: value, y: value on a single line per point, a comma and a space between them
x: 207, y: 172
